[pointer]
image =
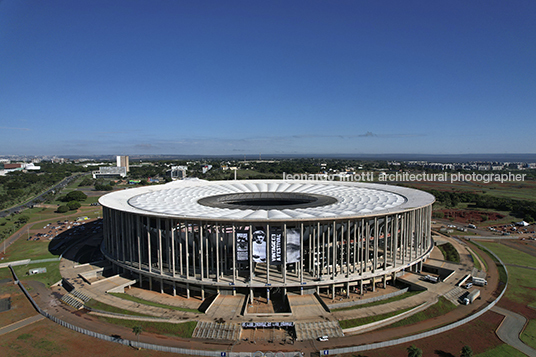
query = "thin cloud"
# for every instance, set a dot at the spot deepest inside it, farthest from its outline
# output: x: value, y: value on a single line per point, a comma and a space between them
x: 11, y: 128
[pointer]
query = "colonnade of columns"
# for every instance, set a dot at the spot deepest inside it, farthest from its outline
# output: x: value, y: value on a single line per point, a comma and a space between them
x: 248, y: 255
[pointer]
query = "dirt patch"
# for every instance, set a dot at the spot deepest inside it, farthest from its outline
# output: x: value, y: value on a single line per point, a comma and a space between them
x: 467, y: 216
x: 479, y: 335
x: 520, y: 308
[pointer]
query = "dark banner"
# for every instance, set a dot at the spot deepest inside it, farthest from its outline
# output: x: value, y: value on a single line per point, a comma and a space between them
x: 259, y: 246
x: 275, y: 247
x: 242, y: 246
x: 293, y: 245
x: 267, y: 324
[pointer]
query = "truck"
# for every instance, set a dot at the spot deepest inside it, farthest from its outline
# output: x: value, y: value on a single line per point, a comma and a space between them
x: 479, y: 281
x: 432, y: 279
x: 469, y: 297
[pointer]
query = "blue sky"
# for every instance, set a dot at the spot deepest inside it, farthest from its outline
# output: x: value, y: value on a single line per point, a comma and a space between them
x: 271, y: 77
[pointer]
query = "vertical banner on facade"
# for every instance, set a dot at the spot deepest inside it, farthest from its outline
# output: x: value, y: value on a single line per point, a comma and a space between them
x: 293, y: 245
x: 242, y: 246
x: 259, y: 246
x: 275, y: 246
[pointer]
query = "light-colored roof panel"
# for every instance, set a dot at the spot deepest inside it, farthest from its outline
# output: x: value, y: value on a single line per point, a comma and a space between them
x: 180, y: 199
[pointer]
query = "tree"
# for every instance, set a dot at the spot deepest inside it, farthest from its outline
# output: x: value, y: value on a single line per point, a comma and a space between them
x: 75, y: 196
x: 23, y: 220
x: 137, y: 330
x: 74, y: 205
x: 414, y: 351
x: 63, y: 209
x: 466, y: 352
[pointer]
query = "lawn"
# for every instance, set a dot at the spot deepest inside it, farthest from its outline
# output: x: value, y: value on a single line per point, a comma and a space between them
x: 521, y: 283
x: 502, y: 350
x: 49, y: 278
x: 510, y: 255
x: 441, y: 307
x: 375, y: 303
x: 184, y: 330
x: 449, y: 252
x: 370, y: 319
x: 476, y: 262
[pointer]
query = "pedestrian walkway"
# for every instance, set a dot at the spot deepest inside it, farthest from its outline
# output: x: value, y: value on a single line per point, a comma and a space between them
x: 19, y: 324
x: 510, y: 329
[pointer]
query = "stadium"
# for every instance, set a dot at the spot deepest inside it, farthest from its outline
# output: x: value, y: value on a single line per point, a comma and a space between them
x: 263, y: 237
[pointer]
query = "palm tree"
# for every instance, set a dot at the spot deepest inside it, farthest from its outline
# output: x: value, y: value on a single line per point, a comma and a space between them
x: 466, y: 352
x: 414, y: 351
x: 137, y: 330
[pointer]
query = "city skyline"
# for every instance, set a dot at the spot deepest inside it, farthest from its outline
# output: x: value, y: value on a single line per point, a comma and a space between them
x: 238, y: 77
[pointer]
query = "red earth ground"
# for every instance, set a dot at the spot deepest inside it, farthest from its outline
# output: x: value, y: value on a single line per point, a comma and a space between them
x: 467, y: 216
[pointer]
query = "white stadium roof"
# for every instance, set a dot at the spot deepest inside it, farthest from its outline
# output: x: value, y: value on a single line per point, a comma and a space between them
x: 179, y: 199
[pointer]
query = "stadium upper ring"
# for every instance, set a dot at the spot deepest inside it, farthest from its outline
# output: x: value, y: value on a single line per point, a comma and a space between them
x: 184, y: 199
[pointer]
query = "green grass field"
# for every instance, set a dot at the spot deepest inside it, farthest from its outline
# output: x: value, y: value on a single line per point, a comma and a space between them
x: 184, y: 330
x: 502, y: 350
x: 521, y: 282
x: 386, y: 301
x: 370, y: 319
x: 441, y: 307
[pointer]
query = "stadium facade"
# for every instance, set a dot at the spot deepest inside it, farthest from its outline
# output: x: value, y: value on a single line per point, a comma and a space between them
x: 264, y: 236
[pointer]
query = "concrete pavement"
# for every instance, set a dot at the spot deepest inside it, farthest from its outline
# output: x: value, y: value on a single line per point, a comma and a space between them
x: 511, y: 328
x: 17, y: 325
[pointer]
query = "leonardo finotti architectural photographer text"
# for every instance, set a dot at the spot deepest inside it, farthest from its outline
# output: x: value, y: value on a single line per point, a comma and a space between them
x: 408, y: 177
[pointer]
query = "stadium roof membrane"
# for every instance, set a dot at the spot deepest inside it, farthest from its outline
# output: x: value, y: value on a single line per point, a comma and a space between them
x: 266, y: 200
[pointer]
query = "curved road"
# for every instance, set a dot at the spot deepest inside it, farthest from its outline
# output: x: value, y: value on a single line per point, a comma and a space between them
x: 511, y: 328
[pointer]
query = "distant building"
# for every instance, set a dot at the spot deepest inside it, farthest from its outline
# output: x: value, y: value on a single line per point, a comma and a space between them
x: 122, y: 161
x: 110, y: 172
x: 206, y: 168
x: 177, y: 172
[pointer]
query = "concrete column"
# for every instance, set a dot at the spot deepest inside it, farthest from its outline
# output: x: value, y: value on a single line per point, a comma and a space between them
x: 251, y: 297
x: 234, y: 259
x: 347, y: 289
x: 201, y: 251
x: 332, y: 291
x: 250, y: 255
x: 173, y: 235
x: 373, y: 284
x: 138, y: 239
x: 150, y: 283
x: 187, y: 290
x: 284, y: 253
x: 301, y: 255
x: 375, y: 242
x: 174, y: 288
x: 217, y: 228
x: 333, y: 237
x: 360, y: 287
x: 186, y: 249
x: 385, y: 281
x: 348, y: 229
x: 268, y: 240
x: 148, y: 229
x: 159, y: 234
x: 161, y: 286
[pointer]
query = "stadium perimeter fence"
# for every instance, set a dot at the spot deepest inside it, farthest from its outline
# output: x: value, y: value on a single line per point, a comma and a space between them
x: 184, y: 351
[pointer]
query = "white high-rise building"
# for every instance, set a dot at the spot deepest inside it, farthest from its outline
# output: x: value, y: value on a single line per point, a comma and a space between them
x: 122, y: 161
